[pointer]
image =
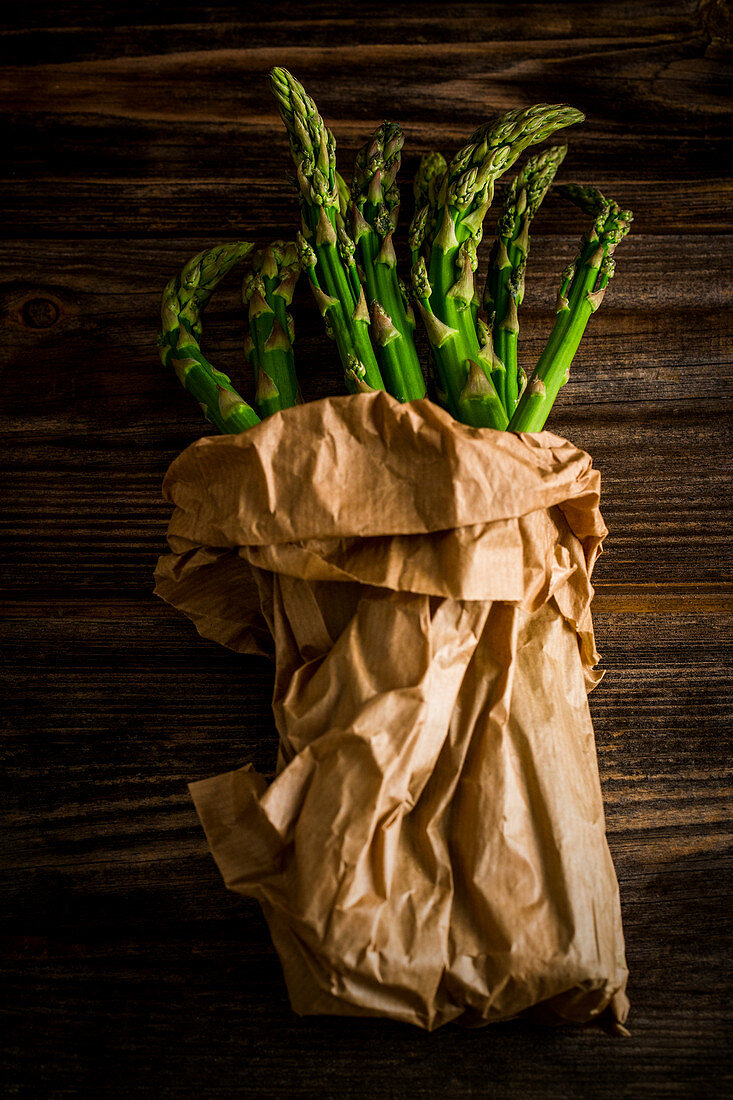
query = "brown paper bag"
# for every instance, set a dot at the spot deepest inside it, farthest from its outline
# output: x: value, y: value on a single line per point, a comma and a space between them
x: 433, y: 844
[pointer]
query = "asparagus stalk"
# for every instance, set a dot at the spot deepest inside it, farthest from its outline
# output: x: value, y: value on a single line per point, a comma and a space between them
x: 445, y: 289
x: 504, y: 290
x: 425, y: 189
x: 374, y: 211
x: 268, y: 290
x: 184, y: 300
x: 333, y: 276
x: 582, y: 288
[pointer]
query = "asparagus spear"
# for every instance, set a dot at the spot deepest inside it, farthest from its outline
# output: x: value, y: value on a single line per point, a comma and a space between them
x: 333, y: 276
x: 582, y: 288
x: 428, y: 178
x: 374, y: 210
x: 426, y: 187
x: 268, y: 290
x: 445, y: 290
x: 504, y: 288
x: 184, y: 300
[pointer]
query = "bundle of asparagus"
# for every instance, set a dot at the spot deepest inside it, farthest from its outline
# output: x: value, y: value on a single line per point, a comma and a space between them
x: 431, y: 846
x: 346, y: 246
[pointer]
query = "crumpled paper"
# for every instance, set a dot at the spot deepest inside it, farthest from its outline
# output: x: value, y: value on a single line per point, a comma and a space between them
x: 433, y: 846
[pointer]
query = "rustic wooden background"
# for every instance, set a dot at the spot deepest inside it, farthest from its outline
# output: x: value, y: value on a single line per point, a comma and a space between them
x: 138, y: 133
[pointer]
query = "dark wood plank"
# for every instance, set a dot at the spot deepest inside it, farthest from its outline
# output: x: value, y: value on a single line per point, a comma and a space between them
x: 93, y: 30
x: 230, y: 84
x: 192, y: 111
x: 620, y: 18
x: 206, y: 210
x: 696, y: 597
x: 118, y: 1001
x: 84, y: 147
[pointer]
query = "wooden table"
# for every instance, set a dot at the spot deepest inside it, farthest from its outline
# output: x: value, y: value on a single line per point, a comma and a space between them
x: 140, y: 133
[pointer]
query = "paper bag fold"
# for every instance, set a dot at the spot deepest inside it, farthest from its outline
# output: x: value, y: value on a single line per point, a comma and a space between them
x: 433, y: 844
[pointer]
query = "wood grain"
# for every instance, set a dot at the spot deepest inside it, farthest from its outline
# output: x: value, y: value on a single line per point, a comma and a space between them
x: 205, y: 210
x: 138, y: 132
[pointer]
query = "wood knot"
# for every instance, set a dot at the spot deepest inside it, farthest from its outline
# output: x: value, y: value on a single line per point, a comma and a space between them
x: 40, y: 313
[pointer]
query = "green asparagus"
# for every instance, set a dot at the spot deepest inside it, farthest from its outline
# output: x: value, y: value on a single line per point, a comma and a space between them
x: 184, y: 300
x: 333, y: 276
x: 504, y: 288
x: 426, y: 188
x: 374, y: 210
x: 581, y: 292
x: 346, y: 246
x: 445, y: 289
x: 268, y: 290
